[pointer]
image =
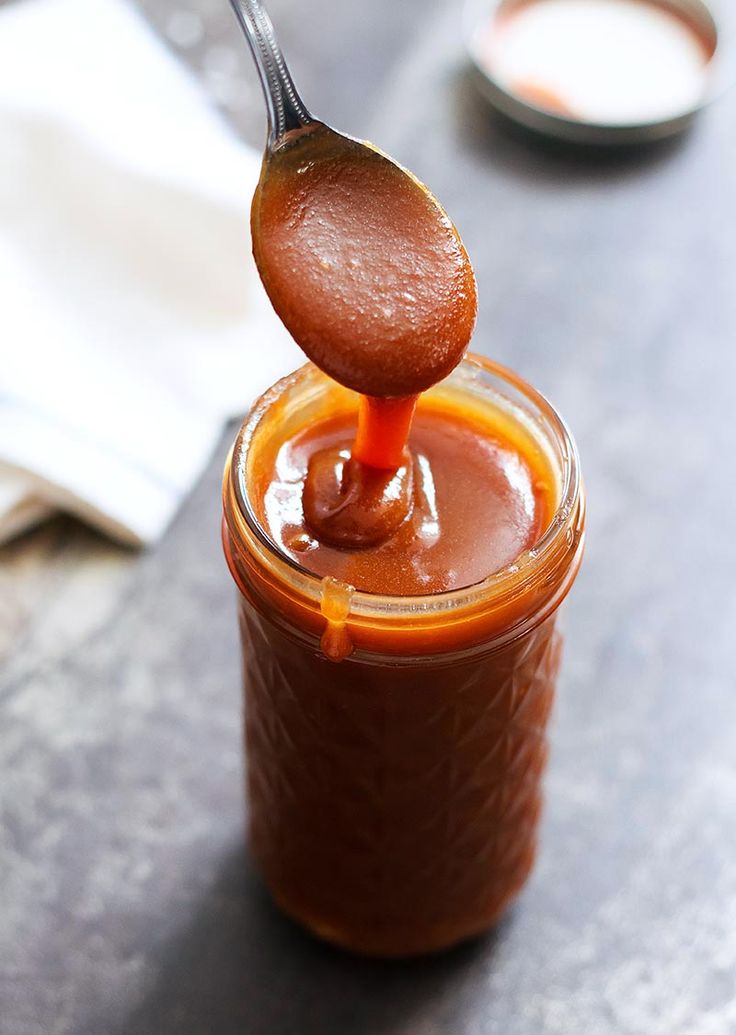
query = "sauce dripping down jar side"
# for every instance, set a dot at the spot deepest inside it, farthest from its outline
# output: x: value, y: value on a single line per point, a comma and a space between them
x: 371, y: 278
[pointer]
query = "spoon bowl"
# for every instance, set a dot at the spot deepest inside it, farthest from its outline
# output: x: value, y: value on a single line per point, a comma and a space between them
x: 360, y: 261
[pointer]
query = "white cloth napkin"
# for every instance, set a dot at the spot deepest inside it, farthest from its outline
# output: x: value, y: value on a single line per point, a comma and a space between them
x: 132, y: 320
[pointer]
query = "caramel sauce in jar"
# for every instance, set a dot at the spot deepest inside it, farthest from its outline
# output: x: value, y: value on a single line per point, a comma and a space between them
x: 396, y: 716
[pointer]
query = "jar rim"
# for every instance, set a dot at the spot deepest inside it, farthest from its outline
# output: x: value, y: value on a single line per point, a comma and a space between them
x: 499, y: 585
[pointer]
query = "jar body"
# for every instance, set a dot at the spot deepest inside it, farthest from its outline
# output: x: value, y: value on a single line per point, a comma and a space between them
x: 394, y: 810
x: 394, y: 796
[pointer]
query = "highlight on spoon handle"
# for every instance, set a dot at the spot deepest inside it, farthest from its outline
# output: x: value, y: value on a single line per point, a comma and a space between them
x: 286, y: 110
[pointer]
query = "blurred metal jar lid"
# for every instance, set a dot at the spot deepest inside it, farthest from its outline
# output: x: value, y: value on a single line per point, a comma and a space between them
x: 596, y: 71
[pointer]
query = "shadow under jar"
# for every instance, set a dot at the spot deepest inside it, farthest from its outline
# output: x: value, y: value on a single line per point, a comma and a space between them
x: 395, y: 796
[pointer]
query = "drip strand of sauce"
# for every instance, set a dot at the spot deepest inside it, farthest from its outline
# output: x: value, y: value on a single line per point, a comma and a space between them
x: 383, y: 430
x: 335, y: 606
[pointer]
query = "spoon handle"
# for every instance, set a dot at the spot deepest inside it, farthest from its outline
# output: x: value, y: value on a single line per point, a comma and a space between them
x: 286, y: 110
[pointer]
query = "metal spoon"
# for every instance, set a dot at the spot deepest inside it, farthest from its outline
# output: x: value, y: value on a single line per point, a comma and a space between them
x: 286, y: 110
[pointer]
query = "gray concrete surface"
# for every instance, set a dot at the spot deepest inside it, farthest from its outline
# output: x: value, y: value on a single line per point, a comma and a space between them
x: 127, y: 902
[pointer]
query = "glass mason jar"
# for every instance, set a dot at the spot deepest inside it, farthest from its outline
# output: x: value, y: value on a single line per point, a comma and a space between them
x: 394, y: 796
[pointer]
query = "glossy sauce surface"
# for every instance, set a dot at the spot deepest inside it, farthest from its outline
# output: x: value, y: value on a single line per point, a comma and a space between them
x: 467, y: 501
x: 362, y: 265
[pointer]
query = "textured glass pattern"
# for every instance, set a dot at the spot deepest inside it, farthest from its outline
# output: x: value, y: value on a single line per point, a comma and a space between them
x: 394, y: 809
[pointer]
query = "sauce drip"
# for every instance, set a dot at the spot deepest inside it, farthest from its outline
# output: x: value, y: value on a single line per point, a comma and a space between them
x: 349, y: 504
x: 383, y: 428
x: 335, y: 605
